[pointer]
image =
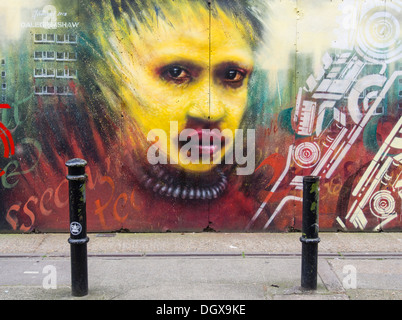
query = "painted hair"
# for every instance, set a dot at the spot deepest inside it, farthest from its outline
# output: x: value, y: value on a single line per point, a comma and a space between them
x: 89, y: 116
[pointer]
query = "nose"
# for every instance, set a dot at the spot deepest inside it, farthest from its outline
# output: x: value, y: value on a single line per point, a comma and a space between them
x: 207, y: 106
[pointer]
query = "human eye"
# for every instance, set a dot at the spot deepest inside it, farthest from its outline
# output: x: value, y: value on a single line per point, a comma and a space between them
x: 234, y: 75
x: 176, y: 74
x: 231, y: 75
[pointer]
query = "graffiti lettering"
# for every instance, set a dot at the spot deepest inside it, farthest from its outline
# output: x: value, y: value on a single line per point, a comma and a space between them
x: 335, y: 185
x: 60, y: 204
x: 115, y: 214
x: 8, y: 120
x: 42, y: 208
x: 12, y: 166
x: 15, y: 222
x: 121, y: 202
x: 29, y: 213
x: 99, y: 211
x: 50, y: 201
x: 13, y: 216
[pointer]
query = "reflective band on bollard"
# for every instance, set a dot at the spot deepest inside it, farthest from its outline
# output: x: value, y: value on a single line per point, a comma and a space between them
x: 78, y: 226
x: 309, y: 236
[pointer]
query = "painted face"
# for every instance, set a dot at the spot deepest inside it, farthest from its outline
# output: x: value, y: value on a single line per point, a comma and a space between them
x: 184, y: 75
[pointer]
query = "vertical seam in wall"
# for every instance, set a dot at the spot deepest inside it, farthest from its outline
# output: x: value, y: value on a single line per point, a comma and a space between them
x: 209, y: 58
x: 209, y: 81
x: 295, y: 92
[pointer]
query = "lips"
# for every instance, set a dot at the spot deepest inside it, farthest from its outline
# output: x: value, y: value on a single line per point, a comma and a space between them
x: 209, y: 141
x: 202, y: 135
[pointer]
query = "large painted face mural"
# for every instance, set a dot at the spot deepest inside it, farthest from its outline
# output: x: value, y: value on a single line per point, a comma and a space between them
x: 201, y: 115
x: 181, y: 75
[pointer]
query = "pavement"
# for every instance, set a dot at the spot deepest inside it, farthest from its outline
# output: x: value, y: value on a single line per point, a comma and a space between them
x: 205, y: 266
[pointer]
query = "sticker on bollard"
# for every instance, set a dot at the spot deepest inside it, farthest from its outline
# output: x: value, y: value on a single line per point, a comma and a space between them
x: 78, y: 226
x: 75, y: 228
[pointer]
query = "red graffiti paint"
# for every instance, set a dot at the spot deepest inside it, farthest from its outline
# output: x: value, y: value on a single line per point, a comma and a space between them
x: 6, y: 139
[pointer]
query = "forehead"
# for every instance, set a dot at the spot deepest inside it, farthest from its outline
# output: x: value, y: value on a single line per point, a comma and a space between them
x: 196, y: 35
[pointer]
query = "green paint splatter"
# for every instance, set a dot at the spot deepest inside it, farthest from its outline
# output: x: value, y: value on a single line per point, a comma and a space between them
x: 315, y: 187
x: 314, y: 206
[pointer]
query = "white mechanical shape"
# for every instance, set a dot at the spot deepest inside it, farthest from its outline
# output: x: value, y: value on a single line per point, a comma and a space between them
x: 339, y: 85
x: 361, y: 85
x: 358, y: 128
x: 307, y: 154
x: 378, y: 37
x: 381, y: 202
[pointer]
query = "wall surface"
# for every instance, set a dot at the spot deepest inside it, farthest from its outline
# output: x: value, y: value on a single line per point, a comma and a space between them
x: 201, y: 115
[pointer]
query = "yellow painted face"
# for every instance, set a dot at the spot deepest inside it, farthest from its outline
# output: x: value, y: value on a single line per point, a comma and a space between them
x: 184, y: 75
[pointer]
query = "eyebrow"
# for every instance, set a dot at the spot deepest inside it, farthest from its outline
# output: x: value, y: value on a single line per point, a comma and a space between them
x: 236, y: 56
x: 233, y: 65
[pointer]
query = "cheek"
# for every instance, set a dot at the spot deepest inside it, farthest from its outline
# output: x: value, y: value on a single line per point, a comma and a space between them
x: 236, y: 105
x: 155, y: 109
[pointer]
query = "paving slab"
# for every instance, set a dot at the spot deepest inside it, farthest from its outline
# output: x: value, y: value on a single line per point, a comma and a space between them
x: 207, y: 242
x: 203, y: 266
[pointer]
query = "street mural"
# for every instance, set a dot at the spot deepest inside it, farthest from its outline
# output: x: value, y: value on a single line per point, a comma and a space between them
x: 201, y: 115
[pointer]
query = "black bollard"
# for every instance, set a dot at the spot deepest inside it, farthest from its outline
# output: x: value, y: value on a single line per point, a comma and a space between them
x: 309, y: 236
x: 78, y: 226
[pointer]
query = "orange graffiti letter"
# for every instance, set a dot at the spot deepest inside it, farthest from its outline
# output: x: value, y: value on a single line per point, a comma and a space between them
x: 99, y: 208
x: 115, y: 214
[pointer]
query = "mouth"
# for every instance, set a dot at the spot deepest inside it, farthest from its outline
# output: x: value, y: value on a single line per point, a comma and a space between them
x: 209, y: 141
x: 201, y: 140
